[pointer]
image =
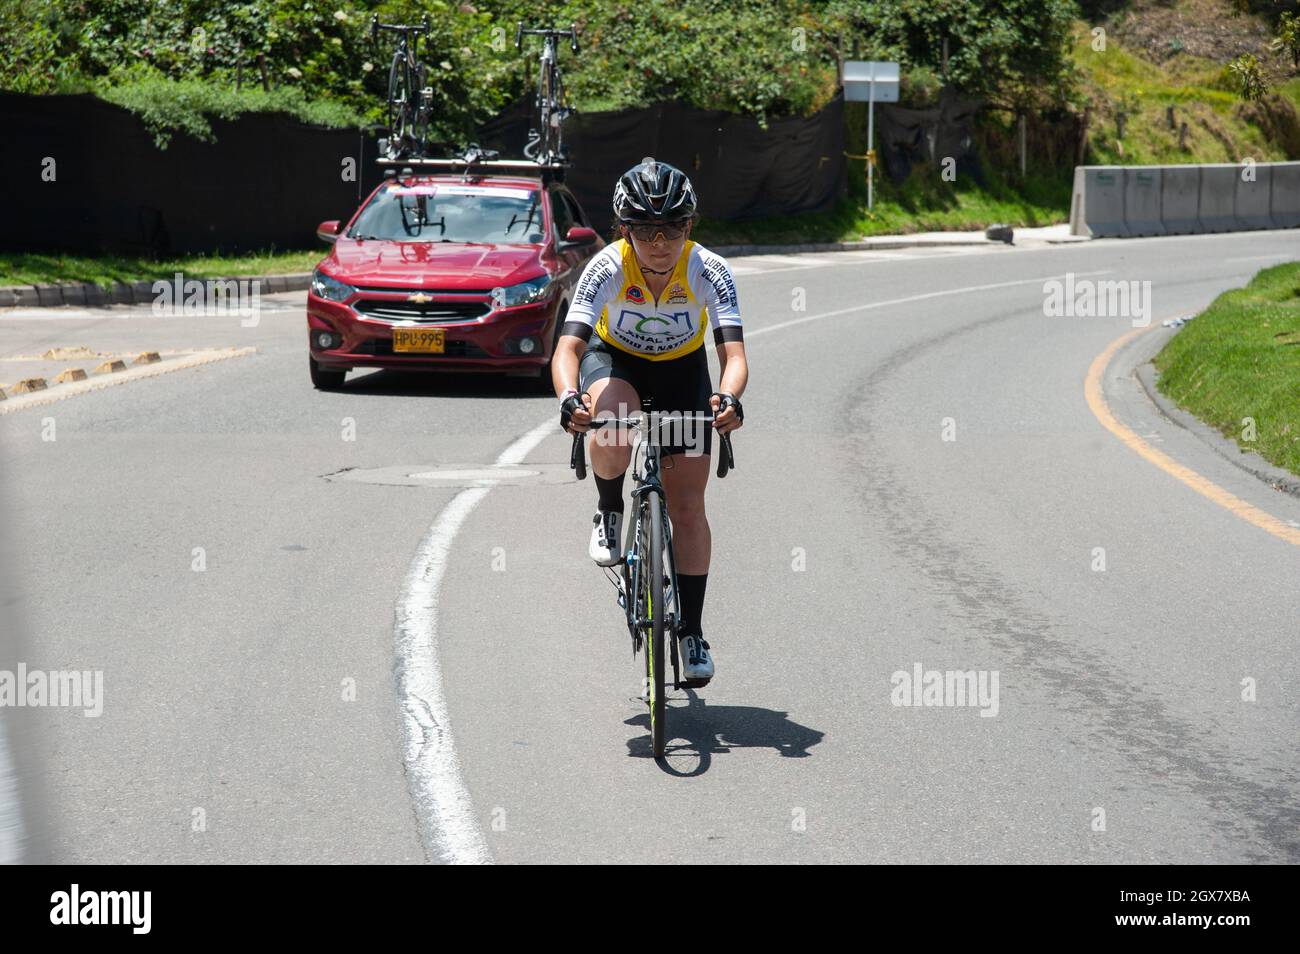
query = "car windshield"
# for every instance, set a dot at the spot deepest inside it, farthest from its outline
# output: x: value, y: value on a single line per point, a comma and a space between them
x: 452, y: 213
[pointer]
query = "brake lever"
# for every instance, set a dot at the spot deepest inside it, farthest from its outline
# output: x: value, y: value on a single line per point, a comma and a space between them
x: 578, y: 456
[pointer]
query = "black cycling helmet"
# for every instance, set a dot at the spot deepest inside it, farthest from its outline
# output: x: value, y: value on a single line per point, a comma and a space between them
x: 653, y: 191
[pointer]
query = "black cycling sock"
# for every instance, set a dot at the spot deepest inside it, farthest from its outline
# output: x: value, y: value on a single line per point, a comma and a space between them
x: 691, y: 601
x: 611, y: 492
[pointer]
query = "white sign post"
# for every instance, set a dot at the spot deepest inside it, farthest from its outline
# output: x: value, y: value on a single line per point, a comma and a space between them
x: 871, y: 82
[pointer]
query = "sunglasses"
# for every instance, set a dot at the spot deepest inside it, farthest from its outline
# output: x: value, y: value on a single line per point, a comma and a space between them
x: 671, y: 231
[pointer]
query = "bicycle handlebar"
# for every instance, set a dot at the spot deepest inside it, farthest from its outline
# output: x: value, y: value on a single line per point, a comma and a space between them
x: 578, y: 456
x: 417, y: 29
x: 571, y: 33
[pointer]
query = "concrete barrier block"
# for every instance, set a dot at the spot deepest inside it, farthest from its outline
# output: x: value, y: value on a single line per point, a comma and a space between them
x: 1180, y: 199
x: 1284, y: 202
x: 1097, y: 205
x: 1218, y: 197
x: 1142, y: 200
x: 49, y: 295
x: 142, y: 293
x: 1254, y: 185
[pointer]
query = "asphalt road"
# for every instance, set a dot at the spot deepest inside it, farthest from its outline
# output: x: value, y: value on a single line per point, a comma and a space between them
x: 380, y: 667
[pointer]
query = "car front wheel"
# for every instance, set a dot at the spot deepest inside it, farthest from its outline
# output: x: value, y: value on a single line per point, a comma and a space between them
x: 325, y: 379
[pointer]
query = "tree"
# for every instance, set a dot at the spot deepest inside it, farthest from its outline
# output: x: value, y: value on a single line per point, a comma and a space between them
x: 1249, y: 77
x: 1288, y: 37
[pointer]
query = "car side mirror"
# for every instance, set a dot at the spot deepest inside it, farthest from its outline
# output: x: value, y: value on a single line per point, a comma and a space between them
x: 580, y: 235
x: 328, y: 232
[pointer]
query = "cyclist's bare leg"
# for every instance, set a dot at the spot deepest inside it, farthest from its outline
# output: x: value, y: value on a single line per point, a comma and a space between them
x: 611, y: 447
x: 684, y: 478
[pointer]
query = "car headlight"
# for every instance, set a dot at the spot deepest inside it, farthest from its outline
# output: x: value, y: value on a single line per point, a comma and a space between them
x: 522, y: 294
x: 330, y: 288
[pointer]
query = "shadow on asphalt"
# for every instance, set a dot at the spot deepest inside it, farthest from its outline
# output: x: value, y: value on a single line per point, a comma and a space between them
x: 444, y: 384
x: 698, y: 731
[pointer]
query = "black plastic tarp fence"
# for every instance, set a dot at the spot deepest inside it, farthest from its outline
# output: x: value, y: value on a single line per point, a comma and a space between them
x: 268, y: 179
x: 739, y: 170
x: 910, y: 136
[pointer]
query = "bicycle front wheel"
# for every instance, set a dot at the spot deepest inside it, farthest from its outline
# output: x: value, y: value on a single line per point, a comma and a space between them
x: 656, y: 633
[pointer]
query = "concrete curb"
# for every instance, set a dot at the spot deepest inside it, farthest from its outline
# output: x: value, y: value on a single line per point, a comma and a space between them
x: 106, y: 376
x: 1247, y: 460
x: 90, y: 295
x: 876, y: 244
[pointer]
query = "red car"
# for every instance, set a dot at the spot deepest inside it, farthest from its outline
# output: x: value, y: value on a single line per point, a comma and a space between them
x: 448, y: 272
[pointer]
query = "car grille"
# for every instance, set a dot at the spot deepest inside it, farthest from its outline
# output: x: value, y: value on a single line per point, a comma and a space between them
x: 454, y: 349
x: 396, y: 309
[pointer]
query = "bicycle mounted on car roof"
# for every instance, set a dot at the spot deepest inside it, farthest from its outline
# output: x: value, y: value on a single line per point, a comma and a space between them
x: 410, y: 99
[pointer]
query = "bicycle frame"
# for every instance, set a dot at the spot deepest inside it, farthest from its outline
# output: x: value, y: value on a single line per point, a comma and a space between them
x: 641, y: 557
x: 646, y: 466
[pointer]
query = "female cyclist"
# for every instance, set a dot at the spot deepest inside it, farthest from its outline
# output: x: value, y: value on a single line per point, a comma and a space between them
x: 648, y: 297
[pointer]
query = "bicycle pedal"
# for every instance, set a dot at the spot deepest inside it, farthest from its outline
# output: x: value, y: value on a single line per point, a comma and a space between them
x: 693, y: 683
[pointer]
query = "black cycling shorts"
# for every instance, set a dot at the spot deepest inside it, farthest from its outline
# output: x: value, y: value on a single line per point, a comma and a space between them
x: 678, y: 384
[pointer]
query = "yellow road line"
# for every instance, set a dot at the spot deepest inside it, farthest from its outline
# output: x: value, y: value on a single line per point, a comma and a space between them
x: 1092, y: 391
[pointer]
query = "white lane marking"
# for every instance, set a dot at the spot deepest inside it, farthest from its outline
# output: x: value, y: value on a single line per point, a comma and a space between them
x: 481, y: 473
x: 1260, y: 258
x: 12, y: 836
x: 910, y: 298
x: 797, y: 261
x: 448, y: 826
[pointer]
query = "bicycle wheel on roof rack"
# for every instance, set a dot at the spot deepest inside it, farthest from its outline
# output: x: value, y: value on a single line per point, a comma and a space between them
x: 420, y: 108
x: 399, y: 103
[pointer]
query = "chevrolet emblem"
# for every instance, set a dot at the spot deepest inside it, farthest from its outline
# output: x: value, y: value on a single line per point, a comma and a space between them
x: 419, y: 298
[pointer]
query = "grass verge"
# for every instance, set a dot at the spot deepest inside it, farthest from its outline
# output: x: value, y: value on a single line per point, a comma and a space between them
x: 21, y: 268
x: 1239, y: 362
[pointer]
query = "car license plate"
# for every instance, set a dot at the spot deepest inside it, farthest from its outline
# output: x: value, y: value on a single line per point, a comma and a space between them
x: 419, y: 340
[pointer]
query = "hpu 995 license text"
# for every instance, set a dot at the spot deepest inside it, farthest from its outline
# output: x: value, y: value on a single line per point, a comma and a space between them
x: 1159, y: 897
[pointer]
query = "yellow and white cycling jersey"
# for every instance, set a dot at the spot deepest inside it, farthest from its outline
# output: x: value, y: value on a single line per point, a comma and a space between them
x: 614, y: 300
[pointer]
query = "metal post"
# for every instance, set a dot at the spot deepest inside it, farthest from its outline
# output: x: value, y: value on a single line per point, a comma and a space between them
x: 871, y: 131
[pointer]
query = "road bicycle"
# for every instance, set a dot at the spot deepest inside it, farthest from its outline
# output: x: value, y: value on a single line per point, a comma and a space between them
x: 410, y: 100
x: 547, y: 144
x: 646, y: 579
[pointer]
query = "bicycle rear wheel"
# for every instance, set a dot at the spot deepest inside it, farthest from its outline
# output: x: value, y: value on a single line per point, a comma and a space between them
x: 653, y: 589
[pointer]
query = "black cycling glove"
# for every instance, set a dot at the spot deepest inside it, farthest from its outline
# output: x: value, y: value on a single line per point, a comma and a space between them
x: 729, y: 400
x: 570, y: 404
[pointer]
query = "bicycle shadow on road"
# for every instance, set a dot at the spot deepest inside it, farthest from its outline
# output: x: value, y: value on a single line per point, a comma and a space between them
x: 701, y: 731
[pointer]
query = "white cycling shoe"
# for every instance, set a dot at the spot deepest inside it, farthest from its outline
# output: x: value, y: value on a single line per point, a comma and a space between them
x: 606, y: 546
x: 697, y: 664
